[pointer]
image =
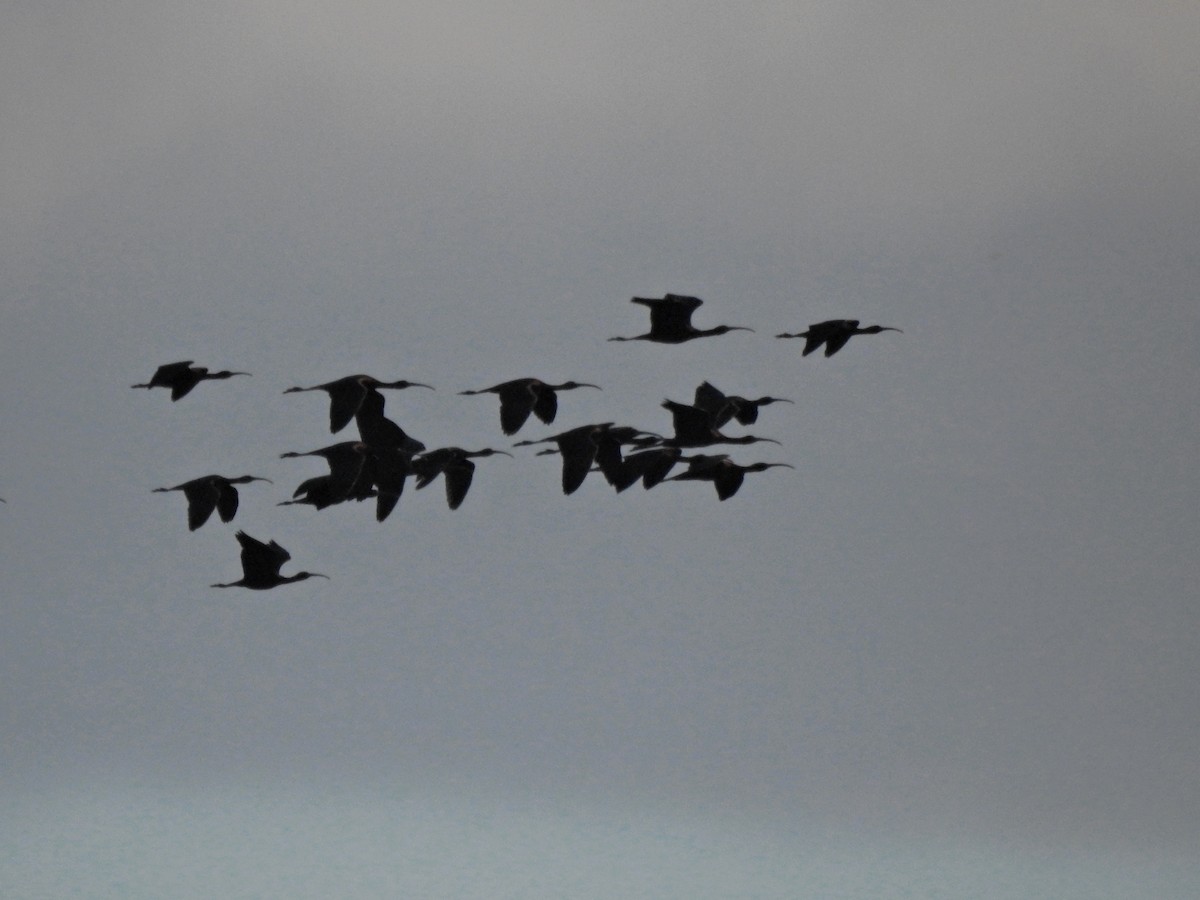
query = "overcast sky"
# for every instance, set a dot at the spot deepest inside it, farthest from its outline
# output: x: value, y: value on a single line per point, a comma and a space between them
x: 968, y: 617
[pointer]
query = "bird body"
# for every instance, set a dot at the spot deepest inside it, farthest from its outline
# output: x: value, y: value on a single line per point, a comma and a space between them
x: 211, y: 492
x: 671, y: 320
x: 346, y: 395
x: 723, y: 472
x: 833, y: 334
x: 261, y: 564
x: 182, y: 376
x: 522, y: 396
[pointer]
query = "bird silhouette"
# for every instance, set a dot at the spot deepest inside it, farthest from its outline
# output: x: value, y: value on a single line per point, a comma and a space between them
x: 349, y: 476
x: 578, y: 448
x: 694, y: 428
x: 261, y: 564
x: 671, y: 321
x: 346, y: 396
x: 454, y: 465
x: 379, y: 431
x: 723, y: 407
x: 211, y: 492
x: 723, y: 472
x: 181, y: 377
x: 833, y: 334
x: 522, y: 396
x: 651, y: 465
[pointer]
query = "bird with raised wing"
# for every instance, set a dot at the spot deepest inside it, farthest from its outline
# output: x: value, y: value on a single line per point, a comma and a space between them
x: 694, y: 428
x: 261, y: 564
x: 346, y: 395
x: 209, y: 492
x: 578, y: 448
x: 833, y: 334
x: 671, y: 321
x: 182, y: 376
x: 522, y: 396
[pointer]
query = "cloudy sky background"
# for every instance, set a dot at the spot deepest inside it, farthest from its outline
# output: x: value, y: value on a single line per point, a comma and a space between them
x: 955, y: 647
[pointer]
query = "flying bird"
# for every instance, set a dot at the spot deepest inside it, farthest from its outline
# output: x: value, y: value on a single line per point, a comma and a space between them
x: 454, y: 465
x: 694, y: 428
x: 346, y: 396
x: 211, y: 492
x: 578, y: 448
x: 181, y: 377
x: 723, y: 407
x: 723, y: 472
x: 833, y: 334
x: 261, y: 564
x: 671, y: 321
x: 349, y: 475
x: 522, y: 396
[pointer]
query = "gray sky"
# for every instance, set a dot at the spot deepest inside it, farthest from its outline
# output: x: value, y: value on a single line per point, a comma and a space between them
x: 968, y: 615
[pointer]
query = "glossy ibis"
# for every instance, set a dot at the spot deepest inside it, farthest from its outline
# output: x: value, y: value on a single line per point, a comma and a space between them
x: 578, y: 448
x: 454, y: 465
x: 671, y: 321
x: 522, y: 396
x: 833, y: 334
x: 181, y: 377
x: 211, y: 492
x: 349, y: 475
x: 346, y: 395
x: 261, y: 564
x: 723, y: 472
x: 694, y: 428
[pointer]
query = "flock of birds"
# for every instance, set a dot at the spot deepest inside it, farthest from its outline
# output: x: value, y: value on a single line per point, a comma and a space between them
x: 379, y: 463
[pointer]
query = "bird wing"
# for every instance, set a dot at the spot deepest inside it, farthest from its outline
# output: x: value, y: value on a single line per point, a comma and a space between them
x: 259, y: 559
x: 517, y: 401
x: 164, y: 373
x: 345, y: 399
x: 203, y: 495
x: 691, y: 423
x: 727, y: 481
x: 578, y: 453
x: 545, y: 403
x: 458, y: 475
x: 745, y: 411
x: 227, y: 500
x: 183, y: 383
x: 836, y: 342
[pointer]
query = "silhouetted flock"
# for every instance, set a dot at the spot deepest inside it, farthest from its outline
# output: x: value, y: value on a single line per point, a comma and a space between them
x: 379, y: 463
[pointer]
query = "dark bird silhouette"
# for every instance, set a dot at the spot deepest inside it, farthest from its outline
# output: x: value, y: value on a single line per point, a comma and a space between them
x: 181, y: 377
x: 346, y: 396
x: 723, y: 407
x: 578, y: 448
x: 389, y: 468
x: 694, y: 428
x: 723, y: 472
x: 671, y: 321
x: 454, y: 465
x: 211, y: 492
x: 261, y: 564
x: 833, y: 334
x: 379, y: 431
x: 651, y: 465
x: 522, y: 396
x: 349, y: 475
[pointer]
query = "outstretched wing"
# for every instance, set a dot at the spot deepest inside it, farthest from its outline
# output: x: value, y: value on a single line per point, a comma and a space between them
x: 458, y: 476
x: 517, y: 401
